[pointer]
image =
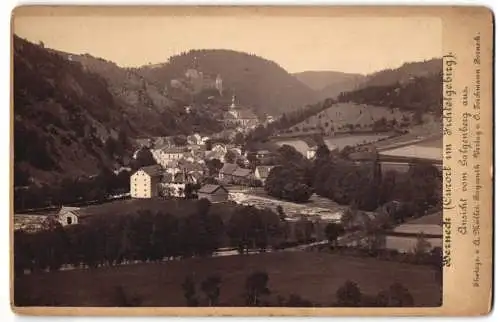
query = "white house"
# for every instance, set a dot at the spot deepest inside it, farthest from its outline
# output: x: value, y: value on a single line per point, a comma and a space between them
x: 219, y: 147
x: 68, y: 216
x: 144, y: 182
x: 311, y: 152
x: 194, y: 139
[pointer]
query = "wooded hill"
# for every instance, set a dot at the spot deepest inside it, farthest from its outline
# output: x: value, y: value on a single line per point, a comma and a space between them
x: 62, y: 116
x: 419, y: 94
x: 257, y: 83
x: 413, y: 87
x: 67, y: 107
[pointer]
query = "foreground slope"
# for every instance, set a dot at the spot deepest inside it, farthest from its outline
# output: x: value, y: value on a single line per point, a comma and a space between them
x: 314, y: 276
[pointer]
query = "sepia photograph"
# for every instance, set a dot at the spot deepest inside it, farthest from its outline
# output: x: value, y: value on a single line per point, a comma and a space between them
x: 215, y: 160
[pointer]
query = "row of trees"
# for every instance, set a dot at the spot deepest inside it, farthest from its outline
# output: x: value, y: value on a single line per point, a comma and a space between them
x: 258, y: 293
x: 146, y: 236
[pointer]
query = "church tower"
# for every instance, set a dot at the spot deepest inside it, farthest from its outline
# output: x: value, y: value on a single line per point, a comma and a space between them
x: 232, y: 109
x: 218, y: 84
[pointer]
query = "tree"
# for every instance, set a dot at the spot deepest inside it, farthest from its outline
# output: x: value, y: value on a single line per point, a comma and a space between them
x: 189, y: 288
x: 239, y: 139
x: 214, y: 166
x: 144, y: 158
x: 422, y: 246
x: 124, y: 300
x: 436, y: 260
x: 204, y: 231
x: 333, y: 232
x: 190, y: 191
x: 211, y: 287
x: 208, y: 145
x: 417, y: 117
x: 349, y: 217
x: 256, y: 287
x: 322, y: 153
x: 281, y: 212
x: 287, y: 182
x: 387, y: 186
x: 180, y: 140
x: 349, y: 295
x: 251, y: 228
x: 21, y: 176
x: 396, y: 296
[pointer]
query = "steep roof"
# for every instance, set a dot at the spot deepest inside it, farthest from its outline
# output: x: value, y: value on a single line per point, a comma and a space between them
x: 228, y: 115
x: 246, y: 114
x: 263, y: 170
x: 167, y: 177
x: 65, y: 209
x: 153, y: 170
x: 241, y: 172
x: 181, y: 177
x: 228, y: 168
x: 175, y: 149
x: 211, y: 188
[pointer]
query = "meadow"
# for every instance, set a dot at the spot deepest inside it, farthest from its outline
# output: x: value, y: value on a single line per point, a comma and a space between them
x: 314, y: 276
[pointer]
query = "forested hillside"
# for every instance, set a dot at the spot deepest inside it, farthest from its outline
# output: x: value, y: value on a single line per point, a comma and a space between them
x: 152, y: 108
x: 413, y: 87
x: 404, y: 73
x: 423, y: 94
x: 75, y: 115
x: 62, y: 116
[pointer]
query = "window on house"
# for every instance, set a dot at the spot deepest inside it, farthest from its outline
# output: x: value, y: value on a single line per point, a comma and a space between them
x: 69, y: 220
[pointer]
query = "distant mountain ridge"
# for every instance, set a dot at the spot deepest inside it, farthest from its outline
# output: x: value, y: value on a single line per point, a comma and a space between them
x: 404, y: 73
x: 329, y: 84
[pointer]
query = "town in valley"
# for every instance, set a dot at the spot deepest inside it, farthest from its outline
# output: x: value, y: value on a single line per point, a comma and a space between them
x: 220, y: 178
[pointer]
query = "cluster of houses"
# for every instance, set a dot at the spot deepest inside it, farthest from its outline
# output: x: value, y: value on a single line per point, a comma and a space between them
x: 154, y: 181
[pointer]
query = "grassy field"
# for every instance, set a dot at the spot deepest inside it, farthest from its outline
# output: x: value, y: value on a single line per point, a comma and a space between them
x: 314, y: 276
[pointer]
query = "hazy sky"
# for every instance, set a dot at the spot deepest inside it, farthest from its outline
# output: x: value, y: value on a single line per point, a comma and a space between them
x: 358, y: 45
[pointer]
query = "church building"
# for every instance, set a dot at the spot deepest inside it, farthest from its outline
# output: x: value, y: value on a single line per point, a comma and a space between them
x: 239, y: 116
